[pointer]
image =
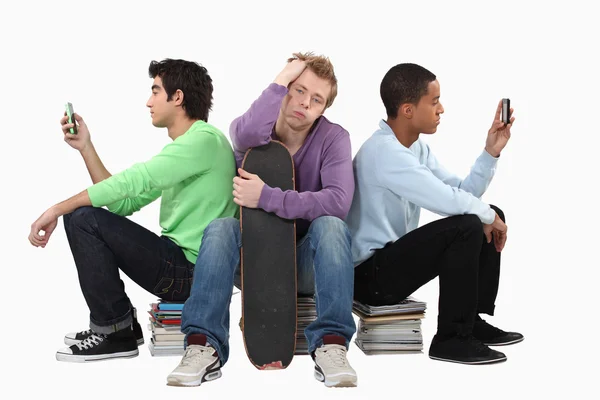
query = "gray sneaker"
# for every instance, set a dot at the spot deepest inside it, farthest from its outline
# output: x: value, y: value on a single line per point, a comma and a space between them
x: 332, y: 367
x: 199, y: 364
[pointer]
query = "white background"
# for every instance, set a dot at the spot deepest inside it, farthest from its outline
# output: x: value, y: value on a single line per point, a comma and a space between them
x: 96, y: 55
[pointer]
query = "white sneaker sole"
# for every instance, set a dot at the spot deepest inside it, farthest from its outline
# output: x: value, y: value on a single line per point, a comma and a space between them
x: 97, y: 357
x: 505, y: 343
x: 494, y: 361
x: 179, y: 380
x: 338, y: 382
x: 70, y: 341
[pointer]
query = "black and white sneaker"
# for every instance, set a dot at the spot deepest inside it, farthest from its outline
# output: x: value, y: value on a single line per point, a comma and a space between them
x: 96, y: 347
x: 72, y: 338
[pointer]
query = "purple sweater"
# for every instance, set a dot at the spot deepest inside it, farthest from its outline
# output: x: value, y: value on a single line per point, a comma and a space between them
x: 323, y: 165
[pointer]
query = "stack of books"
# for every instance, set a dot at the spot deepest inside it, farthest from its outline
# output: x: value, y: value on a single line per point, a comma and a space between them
x: 307, y: 313
x: 391, y: 329
x: 165, y: 325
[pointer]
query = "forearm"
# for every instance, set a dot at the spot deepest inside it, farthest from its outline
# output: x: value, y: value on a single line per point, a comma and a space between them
x: 282, y: 79
x: 481, y: 175
x: 254, y: 127
x: 290, y: 204
x: 94, y: 165
x: 71, y: 204
x: 401, y: 173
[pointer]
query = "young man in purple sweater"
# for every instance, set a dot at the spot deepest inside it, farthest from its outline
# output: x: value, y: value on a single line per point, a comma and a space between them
x: 290, y: 110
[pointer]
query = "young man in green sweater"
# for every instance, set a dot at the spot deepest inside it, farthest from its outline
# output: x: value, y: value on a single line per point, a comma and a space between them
x: 193, y: 176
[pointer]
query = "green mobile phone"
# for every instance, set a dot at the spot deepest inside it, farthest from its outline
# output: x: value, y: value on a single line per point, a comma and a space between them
x: 71, y: 116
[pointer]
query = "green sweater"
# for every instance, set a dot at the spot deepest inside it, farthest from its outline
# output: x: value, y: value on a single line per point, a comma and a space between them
x: 194, y: 174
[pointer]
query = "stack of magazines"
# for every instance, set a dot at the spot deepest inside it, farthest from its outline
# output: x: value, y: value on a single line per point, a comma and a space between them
x: 307, y: 313
x: 390, y: 329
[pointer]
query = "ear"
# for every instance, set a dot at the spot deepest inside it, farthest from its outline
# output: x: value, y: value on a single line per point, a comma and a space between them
x: 406, y: 110
x: 178, y: 97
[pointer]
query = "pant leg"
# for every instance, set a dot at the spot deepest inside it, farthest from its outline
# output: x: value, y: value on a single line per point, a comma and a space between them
x: 448, y: 248
x: 206, y: 311
x: 103, y: 243
x: 489, y: 273
x: 324, y: 267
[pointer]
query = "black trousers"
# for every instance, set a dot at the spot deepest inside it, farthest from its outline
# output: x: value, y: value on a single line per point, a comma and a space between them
x: 453, y: 248
x: 104, y: 245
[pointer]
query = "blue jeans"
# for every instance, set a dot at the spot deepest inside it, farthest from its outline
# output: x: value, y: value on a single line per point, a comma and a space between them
x: 324, y: 267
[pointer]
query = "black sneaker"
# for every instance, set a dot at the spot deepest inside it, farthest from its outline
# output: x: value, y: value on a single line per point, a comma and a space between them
x: 97, y: 346
x: 464, y: 350
x: 72, y: 338
x: 492, y: 336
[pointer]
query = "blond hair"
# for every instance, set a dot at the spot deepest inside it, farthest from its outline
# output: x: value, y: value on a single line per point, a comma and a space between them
x: 322, y: 67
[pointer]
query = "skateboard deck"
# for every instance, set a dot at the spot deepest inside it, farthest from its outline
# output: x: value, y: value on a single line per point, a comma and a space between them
x: 268, y: 266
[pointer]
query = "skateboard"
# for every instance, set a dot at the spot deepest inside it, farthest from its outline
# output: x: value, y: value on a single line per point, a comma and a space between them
x: 268, y: 266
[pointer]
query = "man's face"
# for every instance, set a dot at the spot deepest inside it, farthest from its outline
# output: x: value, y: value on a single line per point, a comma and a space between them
x: 305, y: 101
x: 161, y: 110
x: 427, y: 112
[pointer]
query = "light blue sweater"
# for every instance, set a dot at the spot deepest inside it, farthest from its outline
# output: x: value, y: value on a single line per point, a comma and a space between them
x: 393, y: 183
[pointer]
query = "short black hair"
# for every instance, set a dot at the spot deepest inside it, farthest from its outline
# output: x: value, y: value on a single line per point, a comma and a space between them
x: 404, y: 83
x: 189, y: 77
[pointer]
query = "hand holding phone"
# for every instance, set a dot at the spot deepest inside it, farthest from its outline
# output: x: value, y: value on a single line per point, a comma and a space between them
x: 499, y: 132
x: 75, y: 132
x: 71, y: 118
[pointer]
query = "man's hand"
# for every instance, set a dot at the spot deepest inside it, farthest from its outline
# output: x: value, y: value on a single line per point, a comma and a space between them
x: 496, y: 231
x: 290, y: 72
x: 47, y: 223
x: 247, y: 189
x: 499, y: 133
x: 82, y: 139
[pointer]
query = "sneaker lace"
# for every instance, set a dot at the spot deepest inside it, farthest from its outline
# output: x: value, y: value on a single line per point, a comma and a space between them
x: 85, y: 333
x: 93, y: 340
x: 335, y: 354
x: 194, y: 354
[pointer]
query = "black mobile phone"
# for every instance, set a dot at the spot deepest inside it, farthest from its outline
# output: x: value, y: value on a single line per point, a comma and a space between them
x: 69, y: 110
x: 506, y: 111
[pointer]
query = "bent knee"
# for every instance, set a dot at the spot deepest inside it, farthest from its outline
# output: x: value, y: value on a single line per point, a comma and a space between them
x: 499, y: 212
x: 224, y: 223
x: 329, y: 225
x: 80, y: 216
x: 223, y: 227
x: 471, y: 222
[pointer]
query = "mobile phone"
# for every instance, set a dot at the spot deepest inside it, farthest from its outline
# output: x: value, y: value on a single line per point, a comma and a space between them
x: 71, y: 116
x: 506, y: 111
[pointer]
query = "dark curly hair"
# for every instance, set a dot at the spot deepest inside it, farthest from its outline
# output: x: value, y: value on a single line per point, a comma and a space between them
x: 189, y: 77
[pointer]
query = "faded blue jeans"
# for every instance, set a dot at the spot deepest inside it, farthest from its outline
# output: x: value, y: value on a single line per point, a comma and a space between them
x: 324, y: 267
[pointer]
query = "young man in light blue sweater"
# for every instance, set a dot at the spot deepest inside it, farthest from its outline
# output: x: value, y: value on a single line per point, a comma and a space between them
x: 396, y: 175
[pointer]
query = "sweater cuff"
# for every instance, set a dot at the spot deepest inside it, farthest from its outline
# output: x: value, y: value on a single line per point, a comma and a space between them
x: 487, y: 159
x: 265, y: 197
x: 489, y: 216
x: 278, y: 89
